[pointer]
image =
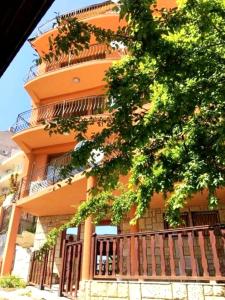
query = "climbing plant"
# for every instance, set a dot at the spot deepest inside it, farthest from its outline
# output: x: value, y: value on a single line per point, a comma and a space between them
x: 166, y: 105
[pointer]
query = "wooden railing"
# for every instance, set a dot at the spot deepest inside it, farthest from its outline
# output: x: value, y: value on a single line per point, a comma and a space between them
x: 41, y: 268
x: 194, y: 253
x: 85, y: 106
x: 70, y: 275
x: 94, y: 52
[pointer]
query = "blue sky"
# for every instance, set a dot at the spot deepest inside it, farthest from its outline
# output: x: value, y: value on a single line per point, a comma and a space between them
x: 14, y: 99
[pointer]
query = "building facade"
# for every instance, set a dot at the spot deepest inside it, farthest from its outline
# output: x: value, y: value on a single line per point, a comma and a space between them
x: 11, y: 173
x: 146, y: 261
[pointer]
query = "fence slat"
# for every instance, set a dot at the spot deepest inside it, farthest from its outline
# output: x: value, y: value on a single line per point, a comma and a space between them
x: 214, y: 252
x: 192, y: 255
x: 121, y: 257
x: 203, y: 256
x: 153, y: 255
x: 144, y: 255
x: 114, y: 258
x: 100, y: 257
x: 171, y: 255
x: 128, y: 256
x: 162, y: 257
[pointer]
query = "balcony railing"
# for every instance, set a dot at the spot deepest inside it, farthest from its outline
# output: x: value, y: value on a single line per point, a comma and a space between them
x: 41, y: 178
x: 82, y: 13
x: 86, y: 106
x: 94, y: 52
x: 194, y: 253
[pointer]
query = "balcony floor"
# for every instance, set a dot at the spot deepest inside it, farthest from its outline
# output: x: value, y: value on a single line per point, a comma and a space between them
x: 56, y: 200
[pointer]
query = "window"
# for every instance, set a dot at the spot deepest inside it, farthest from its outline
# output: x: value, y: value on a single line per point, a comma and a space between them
x: 205, y: 218
x: 106, y: 229
x: 184, y: 218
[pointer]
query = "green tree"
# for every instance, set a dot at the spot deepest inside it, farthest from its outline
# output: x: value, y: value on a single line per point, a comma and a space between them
x: 166, y: 100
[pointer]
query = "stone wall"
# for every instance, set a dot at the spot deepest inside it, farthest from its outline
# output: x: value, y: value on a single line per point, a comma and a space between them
x: 44, y: 226
x: 153, y: 218
x: 124, y: 290
x: 21, y: 262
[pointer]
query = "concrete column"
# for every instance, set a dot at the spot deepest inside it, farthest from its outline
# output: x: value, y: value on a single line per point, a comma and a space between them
x: 28, y: 167
x: 40, y: 167
x: 9, y: 251
x: 88, y: 231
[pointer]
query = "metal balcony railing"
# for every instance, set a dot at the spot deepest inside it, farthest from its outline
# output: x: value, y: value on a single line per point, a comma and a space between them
x: 41, y: 178
x: 94, y: 52
x: 86, y: 106
x: 82, y: 13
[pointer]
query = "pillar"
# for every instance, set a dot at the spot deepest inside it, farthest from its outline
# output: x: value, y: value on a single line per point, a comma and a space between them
x: 1, y: 217
x: 133, y: 229
x: 28, y: 166
x: 9, y: 251
x: 88, y: 231
x: 39, y: 171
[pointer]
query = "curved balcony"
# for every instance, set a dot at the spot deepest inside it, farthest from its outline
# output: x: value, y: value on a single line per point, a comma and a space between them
x: 82, y: 13
x: 86, y: 106
x: 94, y: 52
x: 29, y: 130
x: 44, y: 192
x: 57, y: 77
x: 41, y: 178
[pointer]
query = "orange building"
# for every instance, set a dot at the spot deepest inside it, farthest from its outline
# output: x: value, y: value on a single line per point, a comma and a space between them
x: 104, y: 261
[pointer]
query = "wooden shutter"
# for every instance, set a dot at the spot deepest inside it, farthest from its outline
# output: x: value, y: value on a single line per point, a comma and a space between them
x: 205, y: 218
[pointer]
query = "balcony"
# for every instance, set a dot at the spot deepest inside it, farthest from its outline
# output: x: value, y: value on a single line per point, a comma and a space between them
x: 87, y: 106
x: 95, y: 52
x: 29, y: 130
x: 44, y: 192
x: 42, y: 178
x: 57, y: 77
x: 82, y: 13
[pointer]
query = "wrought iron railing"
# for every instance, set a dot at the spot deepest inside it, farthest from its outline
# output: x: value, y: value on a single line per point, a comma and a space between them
x: 86, y: 106
x: 94, y: 52
x: 193, y: 253
x: 82, y: 13
x: 41, y: 178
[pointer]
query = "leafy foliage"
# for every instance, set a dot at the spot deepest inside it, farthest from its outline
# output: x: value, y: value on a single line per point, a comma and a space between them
x: 13, y: 183
x: 12, y: 281
x: 166, y: 101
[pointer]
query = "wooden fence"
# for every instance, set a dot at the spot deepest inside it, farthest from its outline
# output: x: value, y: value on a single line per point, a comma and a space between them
x: 194, y: 253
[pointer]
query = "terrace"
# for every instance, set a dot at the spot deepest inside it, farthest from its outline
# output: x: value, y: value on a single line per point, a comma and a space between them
x: 86, y: 106
x: 191, y: 254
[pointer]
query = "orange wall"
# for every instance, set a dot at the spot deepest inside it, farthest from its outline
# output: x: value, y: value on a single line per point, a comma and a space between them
x: 84, y: 93
x: 107, y: 21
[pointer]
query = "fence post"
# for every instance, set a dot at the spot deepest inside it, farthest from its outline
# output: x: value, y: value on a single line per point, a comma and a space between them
x: 93, y: 258
x: 61, y: 281
x: 43, y: 273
